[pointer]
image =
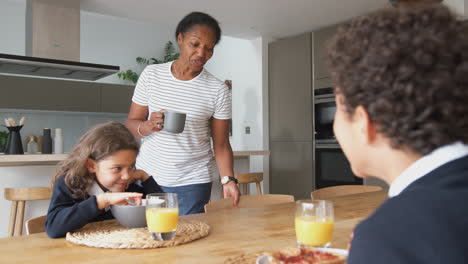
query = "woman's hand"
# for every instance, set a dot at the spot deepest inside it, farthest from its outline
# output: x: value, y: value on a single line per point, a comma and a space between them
x: 231, y: 189
x: 154, y: 124
x: 120, y: 198
x: 139, y: 175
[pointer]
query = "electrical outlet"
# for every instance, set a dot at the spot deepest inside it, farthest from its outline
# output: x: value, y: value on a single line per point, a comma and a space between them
x: 247, y: 130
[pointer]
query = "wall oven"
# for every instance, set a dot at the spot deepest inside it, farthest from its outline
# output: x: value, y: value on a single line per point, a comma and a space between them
x: 324, y: 109
x: 331, y: 166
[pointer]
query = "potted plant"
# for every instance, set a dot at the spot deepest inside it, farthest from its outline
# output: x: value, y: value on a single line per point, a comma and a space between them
x: 170, y: 54
x: 3, y: 140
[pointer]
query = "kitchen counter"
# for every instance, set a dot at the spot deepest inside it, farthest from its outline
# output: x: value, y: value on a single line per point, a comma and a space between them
x: 53, y: 159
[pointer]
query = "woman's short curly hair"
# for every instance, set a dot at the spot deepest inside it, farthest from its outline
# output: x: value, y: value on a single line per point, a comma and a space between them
x: 408, y: 67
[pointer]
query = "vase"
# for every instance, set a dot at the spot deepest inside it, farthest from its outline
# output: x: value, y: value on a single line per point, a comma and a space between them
x: 14, y: 144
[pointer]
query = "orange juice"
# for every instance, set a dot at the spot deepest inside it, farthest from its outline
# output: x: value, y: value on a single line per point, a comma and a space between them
x: 314, y: 231
x: 162, y: 220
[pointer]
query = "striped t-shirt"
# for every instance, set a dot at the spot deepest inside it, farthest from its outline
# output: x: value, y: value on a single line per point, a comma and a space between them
x: 185, y: 158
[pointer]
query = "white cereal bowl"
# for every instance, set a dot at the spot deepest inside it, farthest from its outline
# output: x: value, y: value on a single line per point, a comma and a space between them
x: 133, y: 216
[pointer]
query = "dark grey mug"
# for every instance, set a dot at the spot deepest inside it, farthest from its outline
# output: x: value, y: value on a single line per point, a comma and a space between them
x: 174, y: 122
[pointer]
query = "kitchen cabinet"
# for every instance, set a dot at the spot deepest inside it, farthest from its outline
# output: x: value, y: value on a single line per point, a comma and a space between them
x: 116, y: 98
x: 290, y: 101
x: 321, y: 36
x: 48, y: 94
x: 291, y: 168
x: 290, y: 118
x: 63, y: 95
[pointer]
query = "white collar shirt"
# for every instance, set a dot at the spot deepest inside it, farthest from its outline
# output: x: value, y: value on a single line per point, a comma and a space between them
x: 96, y: 190
x: 426, y: 164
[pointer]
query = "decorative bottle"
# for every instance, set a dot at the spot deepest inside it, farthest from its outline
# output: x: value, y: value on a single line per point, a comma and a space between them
x: 58, y: 141
x: 31, y: 148
x: 46, y: 142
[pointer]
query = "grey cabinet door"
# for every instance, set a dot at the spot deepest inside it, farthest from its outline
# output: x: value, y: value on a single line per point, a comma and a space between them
x: 320, y: 38
x: 291, y: 169
x: 49, y: 94
x: 116, y: 98
x: 290, y: 77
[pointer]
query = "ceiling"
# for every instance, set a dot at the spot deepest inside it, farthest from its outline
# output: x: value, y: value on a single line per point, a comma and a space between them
x: 241, y: 18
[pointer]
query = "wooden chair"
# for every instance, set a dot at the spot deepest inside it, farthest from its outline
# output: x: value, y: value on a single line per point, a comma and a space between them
x: 249, y: 201
x: 35, y: 225
x: 341, y: 190
x: 19, y: 196
x: 245, y: 179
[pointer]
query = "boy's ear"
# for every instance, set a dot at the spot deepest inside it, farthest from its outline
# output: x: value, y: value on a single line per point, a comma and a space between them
x: 91, y: 165
x: 365, y: 127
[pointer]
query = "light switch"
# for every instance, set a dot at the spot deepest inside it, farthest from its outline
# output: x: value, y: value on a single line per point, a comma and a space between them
x: 247, y: 130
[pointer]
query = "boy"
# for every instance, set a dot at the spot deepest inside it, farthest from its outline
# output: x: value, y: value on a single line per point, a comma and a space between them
x: 401, y: 78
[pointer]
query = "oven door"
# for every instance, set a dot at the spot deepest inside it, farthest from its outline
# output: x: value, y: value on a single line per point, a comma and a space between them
x: 324, y: 109
x: 332, y: 168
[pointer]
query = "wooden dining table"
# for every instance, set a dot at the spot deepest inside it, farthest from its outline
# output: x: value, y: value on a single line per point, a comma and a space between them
x: 232, y: 233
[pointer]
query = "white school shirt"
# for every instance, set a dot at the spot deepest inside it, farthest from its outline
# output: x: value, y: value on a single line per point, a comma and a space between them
x: 185, y: 158
x: 426, y: 164
x: 96, y: 190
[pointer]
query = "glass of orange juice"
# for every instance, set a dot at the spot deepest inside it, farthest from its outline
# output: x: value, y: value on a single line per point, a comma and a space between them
x: 162, y: 215
x: 314, y: 223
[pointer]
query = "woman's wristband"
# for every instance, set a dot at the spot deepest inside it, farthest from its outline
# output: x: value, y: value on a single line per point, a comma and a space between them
x: 138, y: 129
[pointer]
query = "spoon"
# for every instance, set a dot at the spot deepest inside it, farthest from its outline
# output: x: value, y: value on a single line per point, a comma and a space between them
x: 130, y: 202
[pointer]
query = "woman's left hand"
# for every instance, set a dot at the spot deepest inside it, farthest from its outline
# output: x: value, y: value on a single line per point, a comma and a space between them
x: 231, y: 189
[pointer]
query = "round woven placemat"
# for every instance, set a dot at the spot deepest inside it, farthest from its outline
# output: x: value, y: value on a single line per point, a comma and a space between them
x: 110, y: 234
x: 246, y: 258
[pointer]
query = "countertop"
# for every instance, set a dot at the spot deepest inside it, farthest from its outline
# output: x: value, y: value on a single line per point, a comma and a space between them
x: 53, y: 159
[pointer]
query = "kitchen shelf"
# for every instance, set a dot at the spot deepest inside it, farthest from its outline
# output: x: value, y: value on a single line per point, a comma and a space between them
x: 54, y: 159
x: 31, y: 160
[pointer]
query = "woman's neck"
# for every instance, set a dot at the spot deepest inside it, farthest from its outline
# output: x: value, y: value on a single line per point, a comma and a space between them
x: 183, y: 72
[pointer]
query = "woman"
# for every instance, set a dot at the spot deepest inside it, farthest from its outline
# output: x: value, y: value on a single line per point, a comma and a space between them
x: 180, y: 163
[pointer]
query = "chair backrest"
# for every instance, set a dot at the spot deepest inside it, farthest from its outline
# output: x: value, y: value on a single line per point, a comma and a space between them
x: 341, y: 190
x: 249, y: 201
x: 35, y: 225
x: 19, y: 196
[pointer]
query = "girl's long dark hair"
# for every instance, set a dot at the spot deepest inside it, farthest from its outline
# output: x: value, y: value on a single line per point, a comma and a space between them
x: 97, y: 143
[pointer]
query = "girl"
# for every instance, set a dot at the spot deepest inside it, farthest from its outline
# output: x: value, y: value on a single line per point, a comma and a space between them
x: 99, y: 172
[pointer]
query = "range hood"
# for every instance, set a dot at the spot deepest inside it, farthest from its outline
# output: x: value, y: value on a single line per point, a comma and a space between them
x: 34, y: 66
x: 53, y: 44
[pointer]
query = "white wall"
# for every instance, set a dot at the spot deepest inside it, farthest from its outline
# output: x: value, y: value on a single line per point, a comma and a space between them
x: 119, y: 41
x: 241, y: 61
x: 12, y: 27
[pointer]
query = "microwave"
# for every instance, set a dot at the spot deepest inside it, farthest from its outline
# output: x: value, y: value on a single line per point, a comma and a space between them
x: 324, y: 114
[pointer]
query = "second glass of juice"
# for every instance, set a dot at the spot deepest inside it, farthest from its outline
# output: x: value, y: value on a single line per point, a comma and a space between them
x: 162, y: 215
x: 314, y: 223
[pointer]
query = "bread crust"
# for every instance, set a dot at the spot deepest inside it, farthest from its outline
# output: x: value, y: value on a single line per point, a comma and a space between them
x: 305, y: 256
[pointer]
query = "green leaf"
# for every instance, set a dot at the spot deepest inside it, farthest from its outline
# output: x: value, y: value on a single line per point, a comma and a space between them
x: 170, y: 54
x: 3, y: 138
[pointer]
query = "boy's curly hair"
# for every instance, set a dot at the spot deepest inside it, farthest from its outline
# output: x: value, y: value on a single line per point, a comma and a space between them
x: 408, y: 67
